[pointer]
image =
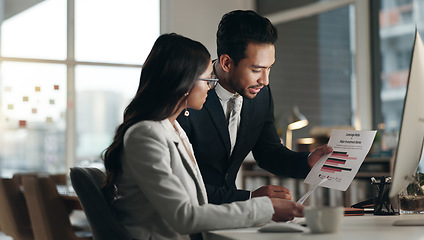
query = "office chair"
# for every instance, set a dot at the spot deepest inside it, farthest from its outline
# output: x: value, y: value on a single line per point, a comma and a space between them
x: 14, y: 217
x: 87, y: 183
x: 47, y: 211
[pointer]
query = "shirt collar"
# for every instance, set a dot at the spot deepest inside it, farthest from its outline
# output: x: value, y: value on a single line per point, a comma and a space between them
x: 222, y: 93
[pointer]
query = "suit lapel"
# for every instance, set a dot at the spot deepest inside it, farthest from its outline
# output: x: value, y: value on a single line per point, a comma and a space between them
x: 214, y: 108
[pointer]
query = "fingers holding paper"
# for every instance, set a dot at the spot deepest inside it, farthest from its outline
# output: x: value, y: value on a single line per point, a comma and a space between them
x: 272, y: 191
x: 286, y: 210
x: 315, y: 155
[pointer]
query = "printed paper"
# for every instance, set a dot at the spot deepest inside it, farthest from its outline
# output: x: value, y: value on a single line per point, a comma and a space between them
x: 350, y: 147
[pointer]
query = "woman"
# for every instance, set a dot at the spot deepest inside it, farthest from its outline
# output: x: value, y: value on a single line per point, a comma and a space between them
x: 160, y: 191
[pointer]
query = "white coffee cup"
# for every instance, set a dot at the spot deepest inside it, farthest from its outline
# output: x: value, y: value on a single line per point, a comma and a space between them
x: 324, y: 219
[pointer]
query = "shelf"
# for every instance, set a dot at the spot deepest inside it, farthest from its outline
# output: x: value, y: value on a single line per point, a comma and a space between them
x: 377, y: 160
x: 372, y: 174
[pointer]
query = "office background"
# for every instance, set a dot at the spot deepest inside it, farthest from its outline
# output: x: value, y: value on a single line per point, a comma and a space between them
x: 68, y: 68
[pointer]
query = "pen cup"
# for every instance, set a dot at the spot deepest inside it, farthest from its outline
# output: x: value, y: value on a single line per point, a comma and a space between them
x: 381, y: 200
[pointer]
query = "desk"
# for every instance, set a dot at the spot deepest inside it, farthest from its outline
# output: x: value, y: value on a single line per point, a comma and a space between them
x: 368, y: 227
x: 68, y: 196
x: 71, y: 202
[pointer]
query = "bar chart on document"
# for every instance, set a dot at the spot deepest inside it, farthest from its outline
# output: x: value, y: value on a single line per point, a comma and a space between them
x: 350, y: 148
x: 337, y: 162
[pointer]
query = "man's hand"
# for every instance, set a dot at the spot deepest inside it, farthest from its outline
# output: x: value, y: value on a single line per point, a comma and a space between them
x: 272, y: 191
x: 315, y: 155
x: 285, y: 210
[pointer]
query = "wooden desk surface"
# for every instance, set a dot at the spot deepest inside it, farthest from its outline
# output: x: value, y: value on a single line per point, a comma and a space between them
x: 368, y: 227
x: 71, y: 202
x: 69, y: 197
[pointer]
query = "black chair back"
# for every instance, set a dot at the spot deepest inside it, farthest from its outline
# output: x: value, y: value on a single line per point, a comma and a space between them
x: 87, y: 183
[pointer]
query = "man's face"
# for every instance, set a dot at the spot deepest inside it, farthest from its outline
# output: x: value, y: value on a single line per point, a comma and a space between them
x: 252, y: 72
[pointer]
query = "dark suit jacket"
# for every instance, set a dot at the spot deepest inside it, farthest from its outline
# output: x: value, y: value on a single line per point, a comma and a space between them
x: 208, y: 132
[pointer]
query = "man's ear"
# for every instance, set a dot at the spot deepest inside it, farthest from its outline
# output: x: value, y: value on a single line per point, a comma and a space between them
x: 226, y: 62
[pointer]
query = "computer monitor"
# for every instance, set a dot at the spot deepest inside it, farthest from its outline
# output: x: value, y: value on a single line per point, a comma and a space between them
x: 411, y: 135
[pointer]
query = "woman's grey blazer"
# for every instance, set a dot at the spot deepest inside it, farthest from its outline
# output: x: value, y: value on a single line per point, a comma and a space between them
x: 161, y: 191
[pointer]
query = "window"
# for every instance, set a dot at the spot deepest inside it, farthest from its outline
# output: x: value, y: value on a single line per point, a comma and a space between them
x: 100, y: 103
x: 314, y: 67
x: 316, y: 57
x: 66, y: 80
x: 396, y: 21
x: 322, y: 66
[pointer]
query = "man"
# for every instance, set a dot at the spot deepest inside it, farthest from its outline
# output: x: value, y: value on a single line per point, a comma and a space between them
x: 221, y: 134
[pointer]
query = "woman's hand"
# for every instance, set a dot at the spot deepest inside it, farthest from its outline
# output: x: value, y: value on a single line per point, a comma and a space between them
x: 286, y: 210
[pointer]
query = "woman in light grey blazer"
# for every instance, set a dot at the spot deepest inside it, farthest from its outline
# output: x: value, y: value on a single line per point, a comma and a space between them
x: 150, y: 165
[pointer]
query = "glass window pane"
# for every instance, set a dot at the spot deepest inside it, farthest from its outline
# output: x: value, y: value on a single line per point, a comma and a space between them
x: 122, y: 31
x: 313, y: 67
x: 35, y: 32
x: 397, y: 28
x: 32, y: 123
x: 397, y: 22
x: 102, y: 93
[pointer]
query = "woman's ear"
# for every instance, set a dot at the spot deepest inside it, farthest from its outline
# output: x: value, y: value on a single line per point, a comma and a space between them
x: 226, y: 62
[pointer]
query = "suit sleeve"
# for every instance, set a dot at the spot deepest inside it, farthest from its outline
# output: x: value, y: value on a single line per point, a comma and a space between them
x: 272, y: 156
x: 220, y: 195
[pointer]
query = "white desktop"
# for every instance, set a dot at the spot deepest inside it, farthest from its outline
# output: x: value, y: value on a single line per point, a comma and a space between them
x: 368, y: 227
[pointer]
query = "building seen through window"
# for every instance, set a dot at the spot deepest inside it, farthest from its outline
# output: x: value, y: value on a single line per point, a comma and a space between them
x: 61, y: 98
x: 398, y: 20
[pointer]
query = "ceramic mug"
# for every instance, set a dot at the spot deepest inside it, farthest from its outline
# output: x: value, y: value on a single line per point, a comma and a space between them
x: 324, y: 219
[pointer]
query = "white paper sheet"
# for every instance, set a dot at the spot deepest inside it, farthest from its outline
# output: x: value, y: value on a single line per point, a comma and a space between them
x: 306, y: 195
x: 350, y: 147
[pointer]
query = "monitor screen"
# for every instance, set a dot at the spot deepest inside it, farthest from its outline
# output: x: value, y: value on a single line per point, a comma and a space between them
x: 411, y: 135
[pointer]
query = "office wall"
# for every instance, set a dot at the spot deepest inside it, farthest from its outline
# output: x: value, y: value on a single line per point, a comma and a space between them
x: 198, y: 19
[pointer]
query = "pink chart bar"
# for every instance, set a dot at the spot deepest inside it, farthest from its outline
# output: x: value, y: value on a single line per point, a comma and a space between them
x: 343, y: 156
x: 327, y: 170
x: 334, y: 162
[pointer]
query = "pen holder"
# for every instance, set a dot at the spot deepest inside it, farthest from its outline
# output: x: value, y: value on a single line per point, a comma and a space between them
x: 382, y: 203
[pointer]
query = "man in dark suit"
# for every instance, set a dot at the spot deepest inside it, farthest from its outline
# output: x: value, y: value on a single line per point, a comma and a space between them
x: 246, y: 53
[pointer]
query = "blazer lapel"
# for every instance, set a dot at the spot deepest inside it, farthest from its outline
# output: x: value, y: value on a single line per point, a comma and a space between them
x: 187, y: 162
x: 214, y: 108
x: 188, y: 165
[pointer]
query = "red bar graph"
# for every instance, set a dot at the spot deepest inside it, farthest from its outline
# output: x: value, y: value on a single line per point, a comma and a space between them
x: 335, y: 162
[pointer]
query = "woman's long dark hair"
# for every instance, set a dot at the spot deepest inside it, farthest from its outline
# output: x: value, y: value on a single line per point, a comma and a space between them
x: 170, y: 70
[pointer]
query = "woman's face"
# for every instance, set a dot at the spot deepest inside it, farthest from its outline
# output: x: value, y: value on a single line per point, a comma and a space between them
x: 199, y: 92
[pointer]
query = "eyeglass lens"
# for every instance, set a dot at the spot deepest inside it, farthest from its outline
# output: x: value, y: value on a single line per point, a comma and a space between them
x: 211, y: 82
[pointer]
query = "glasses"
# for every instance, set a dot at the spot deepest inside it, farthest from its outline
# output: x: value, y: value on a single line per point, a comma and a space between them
x: 211, y: 82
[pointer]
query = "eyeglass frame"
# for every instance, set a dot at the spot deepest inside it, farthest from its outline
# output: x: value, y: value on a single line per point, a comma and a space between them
x: 211, y: 82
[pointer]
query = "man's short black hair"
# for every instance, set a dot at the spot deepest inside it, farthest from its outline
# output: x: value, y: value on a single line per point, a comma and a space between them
x: 240, y: 27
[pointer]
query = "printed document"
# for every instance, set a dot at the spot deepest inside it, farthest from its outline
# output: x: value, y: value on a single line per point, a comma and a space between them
x: 350, y: 147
